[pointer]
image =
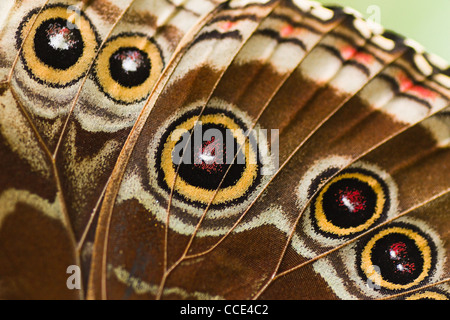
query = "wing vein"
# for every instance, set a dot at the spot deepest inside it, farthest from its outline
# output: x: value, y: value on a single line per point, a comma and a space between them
x: 88, y: 73
x: 168, y: 271
x: 285, y: 163
x: 124, y: 157
x: 291, y: 233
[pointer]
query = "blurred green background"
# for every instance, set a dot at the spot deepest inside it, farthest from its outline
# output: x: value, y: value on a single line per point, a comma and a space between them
x: 427, y: 22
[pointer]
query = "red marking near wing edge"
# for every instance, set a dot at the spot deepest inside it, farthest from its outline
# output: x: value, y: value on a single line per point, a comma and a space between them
x: 363, y: 57
x: 287, y: 31
x: 348, y: 52
x: 406, y: 84
x: 227, y: 25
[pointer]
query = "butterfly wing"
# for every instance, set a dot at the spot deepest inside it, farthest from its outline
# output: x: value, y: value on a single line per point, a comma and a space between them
x: 354, y: 110
x: 247, y: 150
x: 75, y: 76
x: 199, y: 68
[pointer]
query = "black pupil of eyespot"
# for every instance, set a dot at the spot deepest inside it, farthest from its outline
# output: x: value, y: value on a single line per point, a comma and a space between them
x: 399, y: 259
x: 208, y: 162
x: 349, y: 203
x: 58, y: 44
x: 130, y: 67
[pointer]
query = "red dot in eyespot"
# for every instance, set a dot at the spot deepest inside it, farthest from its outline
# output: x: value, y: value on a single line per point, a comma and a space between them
x: 60, y: 37
x: 397, y: 250
x: 352, y: 199
x: 405, y: 267
x: 210, y: 157
x: 132, y: 60
x: 398, y: 253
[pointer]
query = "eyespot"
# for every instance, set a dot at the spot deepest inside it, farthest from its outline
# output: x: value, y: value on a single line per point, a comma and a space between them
x: 350, y: 203
x: 205, y: 163
x: 400, y: 256
x: 397, y: 257
x: 128, y: 67
x: 250, y: 167
x: 340, y: 204
x: 58, y: 50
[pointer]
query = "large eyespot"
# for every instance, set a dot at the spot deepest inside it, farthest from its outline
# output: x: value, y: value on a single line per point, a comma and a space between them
x: 128, y: 67
x: 220, y: 144
x: 350, y: 203
x: 397, y: 257
x: 208, y: 155
x: 59, y: 48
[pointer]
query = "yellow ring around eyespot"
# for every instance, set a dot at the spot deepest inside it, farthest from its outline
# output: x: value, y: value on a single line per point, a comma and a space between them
x: 112, y: 87
x: 203, y: 195
x: 368, y: 267
x: 51, y: 75
x: 427, y: 294
x: 327, y: 226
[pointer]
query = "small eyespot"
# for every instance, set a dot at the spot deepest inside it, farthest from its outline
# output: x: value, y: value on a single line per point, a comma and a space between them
x: 397, y: 257
x: 57, y: 51
x: 350, y: 203
x: 341, y: 203
x: 393, y: 259
x: 128, y: 67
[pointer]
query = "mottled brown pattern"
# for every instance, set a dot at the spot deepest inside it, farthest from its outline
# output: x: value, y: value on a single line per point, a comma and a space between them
x: 316, y: 120
x: 66, y: 170
x: 81, y: 182
x: 138, y: 17
x: 106, y: 9
x: 429, y: 214
x: 3, y: 88
x: 80, y: 155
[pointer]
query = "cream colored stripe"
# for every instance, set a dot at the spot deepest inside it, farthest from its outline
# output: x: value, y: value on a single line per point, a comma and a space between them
x: 140, y: 287
x: 12, y: 197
